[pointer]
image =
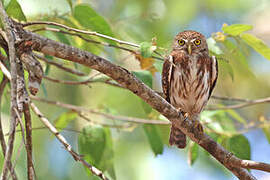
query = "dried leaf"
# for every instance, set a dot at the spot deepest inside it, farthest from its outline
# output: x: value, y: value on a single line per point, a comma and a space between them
x: 146, y: 63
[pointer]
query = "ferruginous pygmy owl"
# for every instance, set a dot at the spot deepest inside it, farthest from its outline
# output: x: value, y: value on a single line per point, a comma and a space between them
x: 188, y: 78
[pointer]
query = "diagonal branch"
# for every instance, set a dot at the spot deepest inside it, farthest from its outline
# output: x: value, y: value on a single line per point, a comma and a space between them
x: 67, y: 146
x: 129, y: 81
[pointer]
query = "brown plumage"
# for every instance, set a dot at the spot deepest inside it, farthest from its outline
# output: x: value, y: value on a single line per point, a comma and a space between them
x: 188, y: 78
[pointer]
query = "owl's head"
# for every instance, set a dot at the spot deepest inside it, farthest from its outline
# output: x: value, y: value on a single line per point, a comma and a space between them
x: 190, y: 42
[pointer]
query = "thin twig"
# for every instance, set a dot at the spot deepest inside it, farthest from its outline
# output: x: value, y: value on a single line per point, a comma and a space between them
x: 2, y: 138
x: 229, y: 98
x: 67, y: 146
x: 4, y: 70
x: 44, y: 127
x: 80, y: 31
x: 242, y: 105
x: 21, y: 124
x: 121, y: 126
x: 68, y: 82
x: 60, y: 66
x: 88, y: 33
x: 109, y: 116
x: 94, y: 41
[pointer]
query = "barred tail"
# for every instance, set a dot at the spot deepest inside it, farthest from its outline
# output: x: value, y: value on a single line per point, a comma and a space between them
x: 177, y: 137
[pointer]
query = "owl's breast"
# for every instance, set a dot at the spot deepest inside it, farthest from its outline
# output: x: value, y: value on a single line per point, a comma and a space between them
x: 189, y: 88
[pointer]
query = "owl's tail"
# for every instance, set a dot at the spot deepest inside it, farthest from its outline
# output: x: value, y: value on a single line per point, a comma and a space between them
x: 177, y: 137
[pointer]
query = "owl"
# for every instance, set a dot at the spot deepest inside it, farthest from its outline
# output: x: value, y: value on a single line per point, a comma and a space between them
x: 189, y: 76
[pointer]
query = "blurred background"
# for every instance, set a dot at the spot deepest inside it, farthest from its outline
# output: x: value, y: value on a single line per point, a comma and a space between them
x: 243, y: 75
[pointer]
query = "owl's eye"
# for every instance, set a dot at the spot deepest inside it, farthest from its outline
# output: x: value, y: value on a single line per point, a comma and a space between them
x: 181, y: 42
x: 197, y: 42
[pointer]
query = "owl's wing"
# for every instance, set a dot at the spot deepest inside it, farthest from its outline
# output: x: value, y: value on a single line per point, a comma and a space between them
x: 213, y: 74
x: 166, y: 76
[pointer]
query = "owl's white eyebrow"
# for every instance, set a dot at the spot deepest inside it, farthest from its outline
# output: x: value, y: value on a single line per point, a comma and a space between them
x: 192, y: 40
x: 185, y: 40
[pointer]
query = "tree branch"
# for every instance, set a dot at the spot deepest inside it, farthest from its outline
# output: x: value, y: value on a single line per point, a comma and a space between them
x: 28, y: 127
x: 109, y: 116
x: 129, y: 81
x: 2, y: 138
x: 60, y: 66
x: 94, y: 41
x: 10, y: 39
x: 81, y: 31
x: 67, y: 146
x: 242, y: 105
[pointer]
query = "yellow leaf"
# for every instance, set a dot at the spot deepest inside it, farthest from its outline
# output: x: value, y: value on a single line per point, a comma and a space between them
x: 146, y: 63
x: 219, y: 36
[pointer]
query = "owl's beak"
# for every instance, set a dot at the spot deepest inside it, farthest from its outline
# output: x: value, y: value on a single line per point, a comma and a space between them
x: 189, y: 49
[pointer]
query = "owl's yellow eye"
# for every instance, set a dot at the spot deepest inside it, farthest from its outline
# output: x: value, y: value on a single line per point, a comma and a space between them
x: 197, y: 42
x: 181, y: 42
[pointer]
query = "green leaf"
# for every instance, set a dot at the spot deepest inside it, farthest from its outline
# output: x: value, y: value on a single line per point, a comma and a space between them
x: 257, y: 44
x: 239, y: 146
x: 158, y: 65
x: 236, y: 58
x: 64, y: 119
x: 193, y: 152
x: 92, y: 143
x: 89, y: 19
x: 144, y: 76
x: 266, y: 132
x: 14, y: 10
x: 44, y: 90
x: 146, y: 107
x: 147, y: 49
x: 62, y: 38
x: 154, y: 138
x: 219, y: 121
x: 107, y: 158
x: 47, y: 69
x: 70, y: 4
x: 236, y: 116
x: 1, y: 75
x: 236, y: 29
x: 95, y: 144
x: 227, y: 67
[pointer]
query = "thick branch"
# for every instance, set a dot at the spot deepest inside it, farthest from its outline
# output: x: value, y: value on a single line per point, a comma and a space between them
x: 129, y: 81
